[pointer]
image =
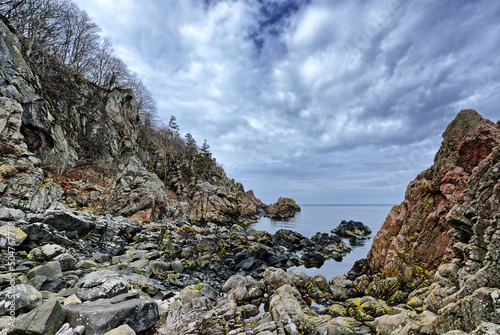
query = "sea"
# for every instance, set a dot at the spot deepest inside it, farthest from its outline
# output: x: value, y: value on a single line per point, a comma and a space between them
x: 323, y: 218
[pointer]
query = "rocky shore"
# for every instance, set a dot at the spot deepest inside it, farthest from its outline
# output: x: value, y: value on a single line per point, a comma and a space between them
x: 105, y: 231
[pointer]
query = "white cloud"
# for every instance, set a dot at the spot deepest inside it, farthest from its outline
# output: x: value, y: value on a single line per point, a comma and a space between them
x: 315, y: 99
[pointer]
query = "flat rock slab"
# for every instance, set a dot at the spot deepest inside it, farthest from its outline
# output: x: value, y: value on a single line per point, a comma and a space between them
x: 101, y: 316
x: 43, y: 320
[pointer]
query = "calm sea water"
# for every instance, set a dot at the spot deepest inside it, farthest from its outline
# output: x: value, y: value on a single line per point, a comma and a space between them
x: 323, y: 218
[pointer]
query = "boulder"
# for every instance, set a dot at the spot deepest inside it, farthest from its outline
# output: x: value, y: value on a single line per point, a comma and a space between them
x: 103, y: 315
x: 100, y: 284
x: 11, y: 236
x: 352, y: 229
x: 69, y: 221
x: 26, y: 297
x: 46, y: 319
x: 283, y: 209
x: 51, y: 270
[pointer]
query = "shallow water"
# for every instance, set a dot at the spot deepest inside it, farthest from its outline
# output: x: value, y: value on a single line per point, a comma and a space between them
x: 323, y: 218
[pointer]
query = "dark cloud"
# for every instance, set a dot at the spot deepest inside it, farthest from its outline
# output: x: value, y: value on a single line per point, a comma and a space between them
x: 323, y: 101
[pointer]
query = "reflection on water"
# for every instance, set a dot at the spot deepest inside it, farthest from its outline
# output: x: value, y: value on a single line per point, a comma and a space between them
x: 323, y: 218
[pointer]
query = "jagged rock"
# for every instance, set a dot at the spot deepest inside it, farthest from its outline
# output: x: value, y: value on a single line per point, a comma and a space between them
x: 286, y: 308
x: 26, y: 297
x: 101, y: 284
x: 51, y: 270
x: 352, y: 229
x: 467, y: 141
x: 138, y: 193
x: 69, y: 221
x: 11, y: 214
x: 283, y: 209
x: 46, y: 319
x: 11, y: 236
x: 103, y: 315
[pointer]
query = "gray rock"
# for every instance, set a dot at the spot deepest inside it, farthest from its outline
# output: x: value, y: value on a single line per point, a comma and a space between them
x: 69, y: 221
x: 67, y: 261
x: 51, y: 270
x: 100, y: 284
x: 26, y: 297
x: 11, y: 214
x: 101, y: 316
x: 51, y: 251
x: 177, y: 266
x: 46, y: 319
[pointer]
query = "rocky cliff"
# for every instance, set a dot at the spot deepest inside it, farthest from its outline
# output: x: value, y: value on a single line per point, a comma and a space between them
x: 448, y: 230
x: 68, y: 142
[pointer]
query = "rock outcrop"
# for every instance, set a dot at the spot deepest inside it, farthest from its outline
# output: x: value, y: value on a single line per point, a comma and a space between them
x: 283, y: 209
x: 441, y: 245
x: 68, y: 142
x: 416, y: 231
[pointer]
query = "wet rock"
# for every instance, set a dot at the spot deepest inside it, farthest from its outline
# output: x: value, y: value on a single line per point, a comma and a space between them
x: 283, y: 209
x: 104, y: 315
x: 352, y: 229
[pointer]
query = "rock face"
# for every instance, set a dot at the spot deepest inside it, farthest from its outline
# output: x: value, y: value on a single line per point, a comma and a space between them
x: 67, y: 142
x: 283, y: 209
x: 448, y: 224
x: 416, y: 231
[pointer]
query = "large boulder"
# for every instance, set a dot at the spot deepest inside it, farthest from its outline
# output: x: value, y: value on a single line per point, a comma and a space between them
x: 103, y: 315
x: 283, y: 209
x: 352, y: 229
x: 46, y: 319
x: 100, y: 284
x: 21, y: 298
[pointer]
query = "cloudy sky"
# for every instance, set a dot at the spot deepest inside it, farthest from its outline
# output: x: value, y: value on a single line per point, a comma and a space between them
x: 323, y: 101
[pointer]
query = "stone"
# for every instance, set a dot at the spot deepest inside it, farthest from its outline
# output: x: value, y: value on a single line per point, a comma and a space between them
x: 67, y: 330
x: 46, y: 319
x: 177, y: 266
x: 51, y: 251
x: 100, y: 284
x: 352, y: 229
x: 103, y: 315
x: 11, y: 236
x: 51, y: 270
x: 85, y: 264
x: 26, y: 297
x: 72, y: 299
x: 69, y: 221
x: 11, y: 214
x: 232, y: 282
x: 122, y: 330
x: 283, y: 209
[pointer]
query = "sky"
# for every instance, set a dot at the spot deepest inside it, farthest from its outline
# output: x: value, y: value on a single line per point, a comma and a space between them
x: 322, y: 101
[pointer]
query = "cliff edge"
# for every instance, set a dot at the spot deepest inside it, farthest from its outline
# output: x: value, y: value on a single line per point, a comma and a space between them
x: 67, y: 142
